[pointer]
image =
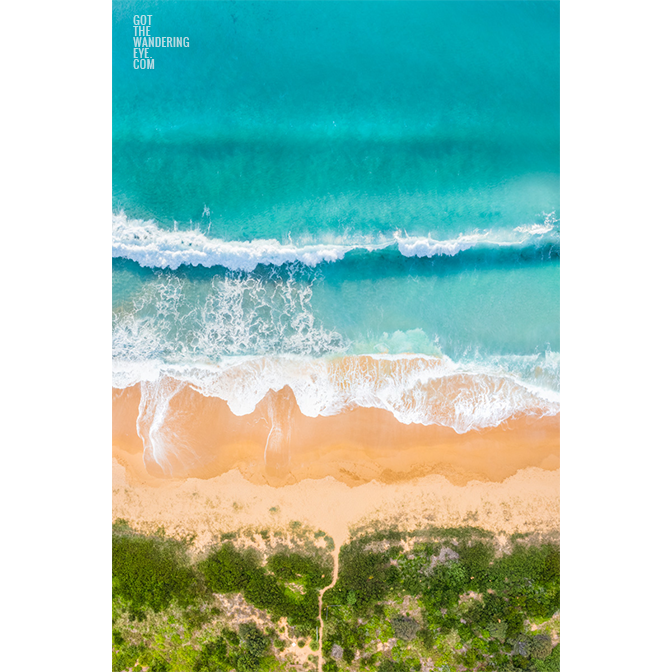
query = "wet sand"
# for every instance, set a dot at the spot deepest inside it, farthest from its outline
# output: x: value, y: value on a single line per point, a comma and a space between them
x: 278, y: 445
x: 361, y: 467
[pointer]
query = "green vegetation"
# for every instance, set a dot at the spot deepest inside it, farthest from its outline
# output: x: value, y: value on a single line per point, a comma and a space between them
x: 443, y: 599
x: 151, y: 572
x: 404, y: 627
x: 465, y: 603
x: 167, y: 611
x: 270, y: 587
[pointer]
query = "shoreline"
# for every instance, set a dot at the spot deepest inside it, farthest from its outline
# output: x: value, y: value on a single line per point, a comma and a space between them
x: 334, y: 473
x: 277, y: 445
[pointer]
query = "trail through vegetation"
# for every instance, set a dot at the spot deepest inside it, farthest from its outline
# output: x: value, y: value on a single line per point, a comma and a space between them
x: 386, y: 600
x: 321, y: 596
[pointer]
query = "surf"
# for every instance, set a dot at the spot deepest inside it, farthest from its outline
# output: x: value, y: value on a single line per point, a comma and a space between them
x: 274, y: 413
x: 151, y: 246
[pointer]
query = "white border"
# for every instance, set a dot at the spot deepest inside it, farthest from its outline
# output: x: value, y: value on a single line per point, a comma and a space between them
x: 615, y: 116
x: 56, y: 155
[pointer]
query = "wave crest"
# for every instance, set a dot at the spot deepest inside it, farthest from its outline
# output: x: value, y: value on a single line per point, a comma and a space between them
x: 151, y: 246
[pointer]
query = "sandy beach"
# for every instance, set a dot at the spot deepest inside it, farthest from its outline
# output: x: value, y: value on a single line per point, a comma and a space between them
x: 274, y: 466
x: 526, y: 502
x: 278, y: 445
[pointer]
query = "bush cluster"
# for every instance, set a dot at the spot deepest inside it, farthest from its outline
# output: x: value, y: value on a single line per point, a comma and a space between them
x: 511, y: 589
x: 482, y: 599
x: 151, y: 572
x: 228, y: 570
x: 243, y: 652
x: 404, y: 627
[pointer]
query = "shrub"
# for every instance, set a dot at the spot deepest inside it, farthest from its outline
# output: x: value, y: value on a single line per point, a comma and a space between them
x: 551, y: 663
x: 151, y: 572
x: 226, y: 570
x: 550, y: 574
x: 126, y: 658
x: 158, y: 665
x: 520, y: 662
x: 493, y: 646
x: 195, y: 618
x: 247, y: 663
x: 404, y: 627
x: 264, y: 592
x: 448, y: 583
x: 215, y: 652
x: 514, y: 623
x: 476, y: 561
x: 427, y: 638
x: 297, y: 567
x: 121, y: 525
x: 521, y: 646
x: 365, y: 574
x: 540, y: 646
x: 497, y: 630
x: 253, y: 639
x: 391, y: 666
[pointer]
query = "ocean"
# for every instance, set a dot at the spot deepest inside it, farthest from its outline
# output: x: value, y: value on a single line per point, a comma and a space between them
x: 347, y: 204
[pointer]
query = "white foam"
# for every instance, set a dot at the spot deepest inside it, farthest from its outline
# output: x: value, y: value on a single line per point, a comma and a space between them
x: 535, y: 229
x: 416, y: 246
x: 427, y: 247
x: 539, y: 229
x: 169, y: 320
x: 149, y: 245
x: 415, y: 389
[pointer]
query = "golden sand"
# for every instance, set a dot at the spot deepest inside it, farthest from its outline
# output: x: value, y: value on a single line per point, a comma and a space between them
x: 282, y: 446
x: 526, y: 502
x: 331, y: 473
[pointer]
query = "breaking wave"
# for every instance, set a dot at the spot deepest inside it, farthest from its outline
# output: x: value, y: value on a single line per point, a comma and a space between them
x: 151, y: 246
x: 414, y: 388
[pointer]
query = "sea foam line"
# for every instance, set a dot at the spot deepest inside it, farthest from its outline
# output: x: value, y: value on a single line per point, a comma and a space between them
x: 147, y: 244
x: 415, y: 389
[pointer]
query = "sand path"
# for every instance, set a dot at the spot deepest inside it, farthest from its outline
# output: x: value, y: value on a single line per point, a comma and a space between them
x: 319, y: 602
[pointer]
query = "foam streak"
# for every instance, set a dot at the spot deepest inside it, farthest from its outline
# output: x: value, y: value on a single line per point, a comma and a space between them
x: 150, y: 246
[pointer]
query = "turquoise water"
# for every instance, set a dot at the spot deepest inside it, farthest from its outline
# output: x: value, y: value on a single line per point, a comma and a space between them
x: 339, y: 117
x: 311, y: 179
x: 459, y: 308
